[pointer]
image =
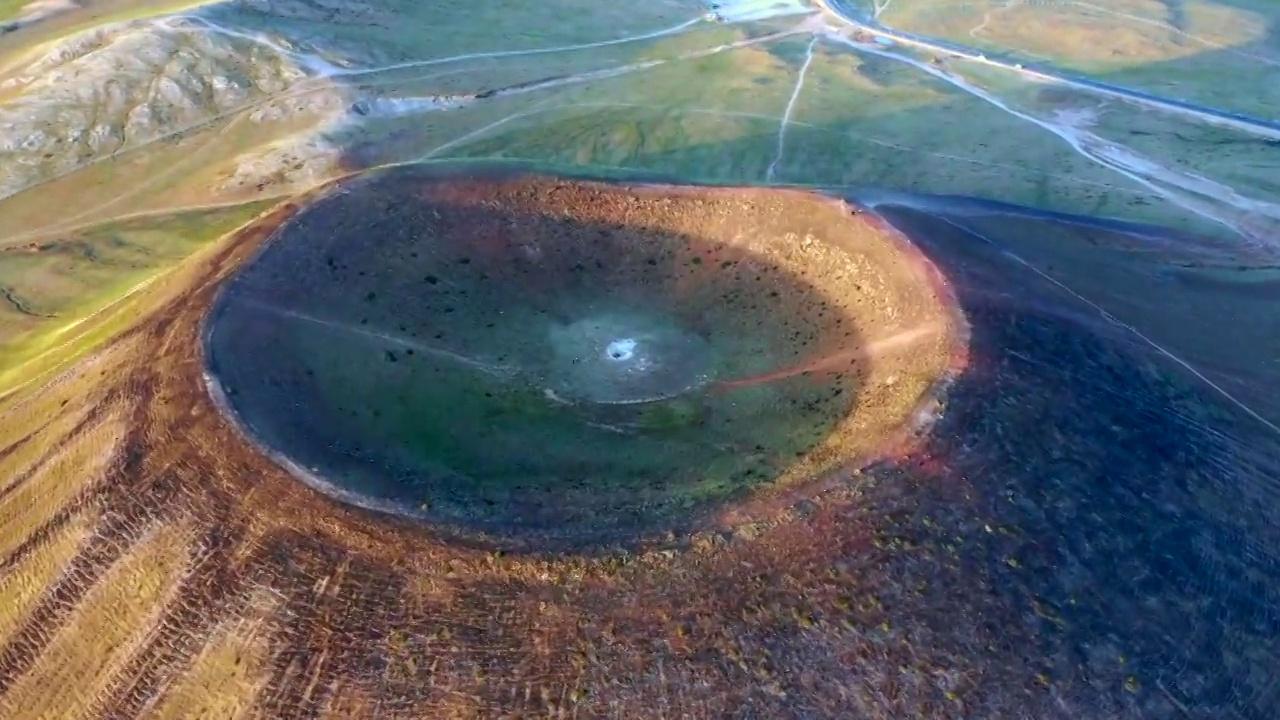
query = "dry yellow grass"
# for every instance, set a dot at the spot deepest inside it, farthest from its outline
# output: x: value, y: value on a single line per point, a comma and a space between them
x: 1128, y: 32
x: 24, y: 583
x: 58, y: 483
x: 106, y: 628
x: 225, y: 678
x: 1093, y: 36
x: 87, y: 334
x: 33, y: 39
x: 18, y: 418
x: 45, y: 206
x: 25, y: 456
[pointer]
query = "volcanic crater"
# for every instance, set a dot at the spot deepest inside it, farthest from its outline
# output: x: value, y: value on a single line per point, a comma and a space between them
x: 559, y: 360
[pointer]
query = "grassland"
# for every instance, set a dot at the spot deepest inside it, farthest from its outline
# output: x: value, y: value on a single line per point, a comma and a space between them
x: 58, y: 482
x: 1200, y: 79
x: 701, y: 113
x: 1177, y: 49
x: 10, y: 9
x: 1090, y: 36
x: 859, y: 121
x: 1156, y: 290
x: 69, y: 293
x: 25, y: 581
x: 228, y: 671
x: 343, y: 34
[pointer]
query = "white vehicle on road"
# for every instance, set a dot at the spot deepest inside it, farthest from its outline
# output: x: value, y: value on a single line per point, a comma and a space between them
x: 745, y: 10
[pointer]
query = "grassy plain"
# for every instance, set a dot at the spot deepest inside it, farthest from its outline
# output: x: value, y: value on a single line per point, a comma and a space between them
x: 58, y: 483
x: 1157, y: 288
x: 857, y: 121
x: 70, y: 293
x: 24, y: 582
x: 1236, y: 160
x: 1088, y: 35
x: 10, y: 9
x: 1177, y: 49
x: 490, y: 25
x: 152, y: 178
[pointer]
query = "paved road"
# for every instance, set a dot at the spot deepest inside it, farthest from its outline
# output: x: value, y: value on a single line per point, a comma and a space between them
x: 845, y: 10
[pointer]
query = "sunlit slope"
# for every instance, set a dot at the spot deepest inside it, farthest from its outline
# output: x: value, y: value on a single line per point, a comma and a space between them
x: 153, y: 567
x: 64, y: 295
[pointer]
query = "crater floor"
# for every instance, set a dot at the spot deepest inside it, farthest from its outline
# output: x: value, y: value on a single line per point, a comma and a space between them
x: 575, y: 360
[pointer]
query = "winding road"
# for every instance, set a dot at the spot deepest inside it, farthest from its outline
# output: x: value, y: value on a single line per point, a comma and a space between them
x: 850, y: 15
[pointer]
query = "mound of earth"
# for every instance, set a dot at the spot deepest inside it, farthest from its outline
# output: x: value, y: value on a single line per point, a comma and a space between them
x: 1058, y: 536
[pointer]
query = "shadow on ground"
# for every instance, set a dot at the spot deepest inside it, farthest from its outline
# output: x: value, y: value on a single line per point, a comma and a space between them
x: 1112, y: 520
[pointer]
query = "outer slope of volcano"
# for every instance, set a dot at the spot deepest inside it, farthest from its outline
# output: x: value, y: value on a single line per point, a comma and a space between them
x: 157, y: 564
